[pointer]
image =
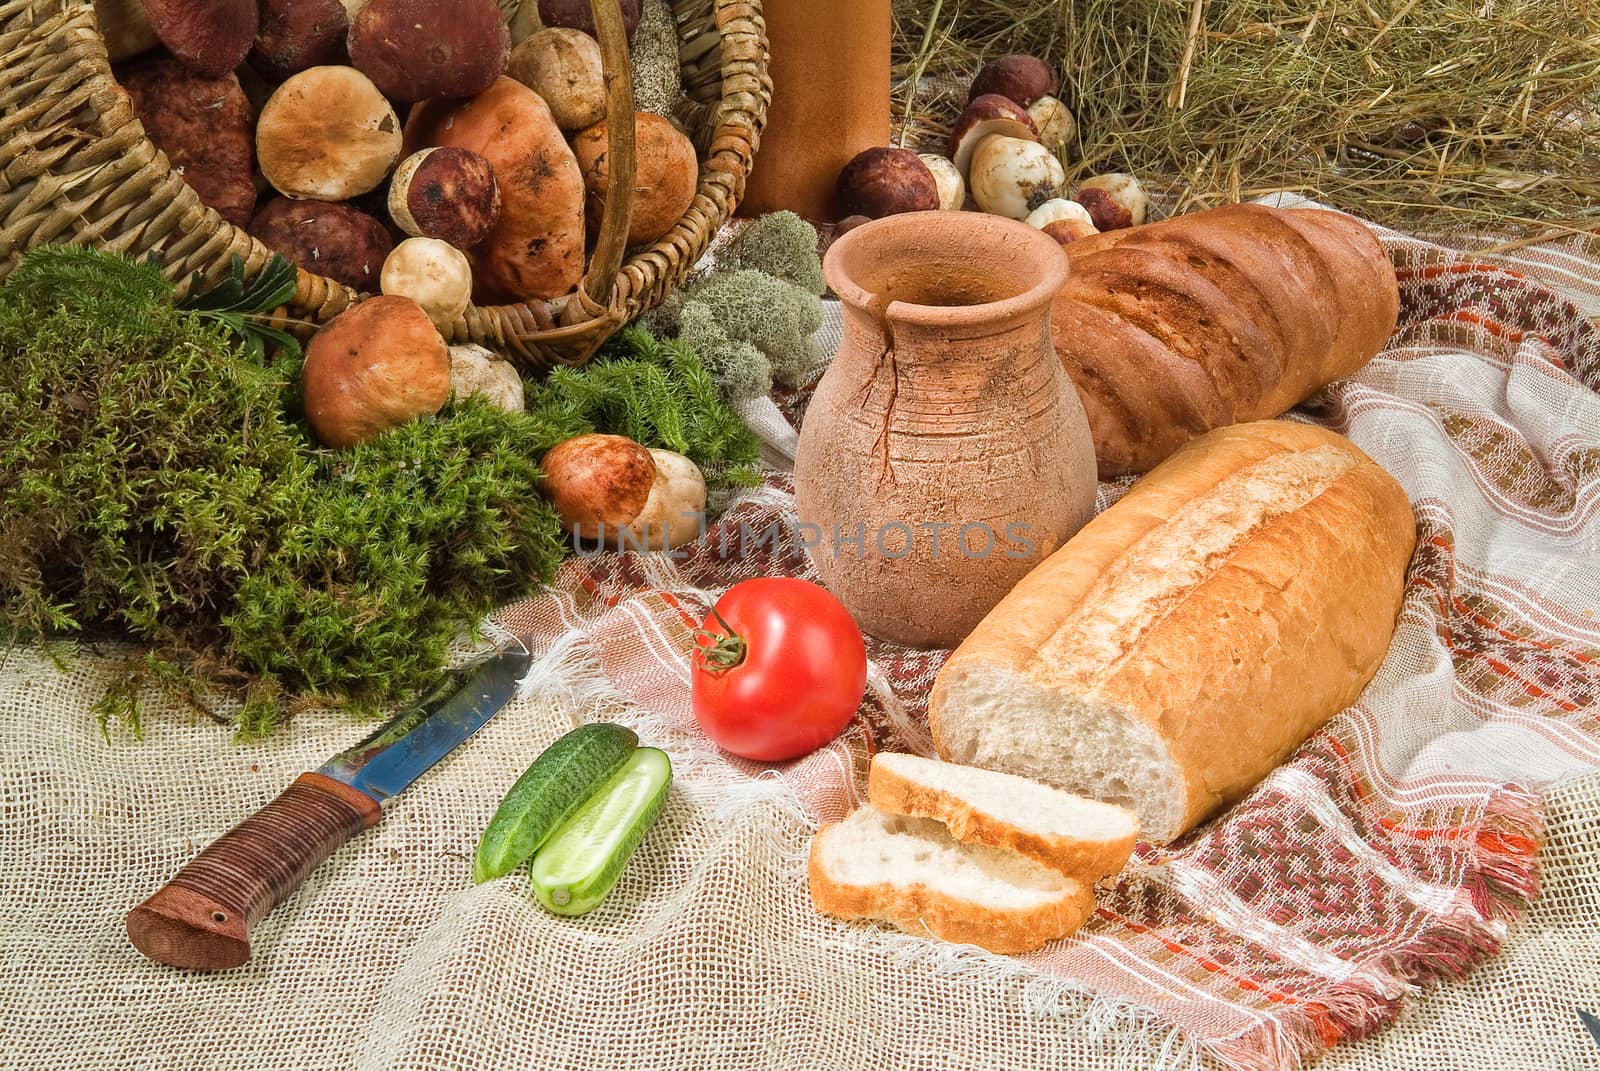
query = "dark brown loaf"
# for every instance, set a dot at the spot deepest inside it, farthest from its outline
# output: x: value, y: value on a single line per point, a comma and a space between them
x: 1232, y: 314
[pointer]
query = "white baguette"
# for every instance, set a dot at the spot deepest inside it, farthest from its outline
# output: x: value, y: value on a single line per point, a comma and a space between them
x: 1185, y: 641
x: 1080, y: 838
x: 910, y: 873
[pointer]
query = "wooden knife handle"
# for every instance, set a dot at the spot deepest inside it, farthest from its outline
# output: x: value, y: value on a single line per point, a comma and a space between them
x: 201, y: 919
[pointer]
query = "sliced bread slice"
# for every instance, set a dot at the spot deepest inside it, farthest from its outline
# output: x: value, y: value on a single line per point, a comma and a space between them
x: 1081, y: 838
x: 909, y: 872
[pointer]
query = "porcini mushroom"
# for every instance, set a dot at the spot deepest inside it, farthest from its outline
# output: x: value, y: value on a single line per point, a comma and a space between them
x: 1012, y: 177
x: 674, y: 513
x: 598, y: 483
x: 564, y: 67
x: 335, y: 240
x: 667, y: 173
x: 477, y: 371
x: 327, y: 134
x: 1017, y: 77
x: 984, y: 117
x: 374, y: 367
x: 885, y: 182
x: 1065, y: 221
x: 434, y: 274
x: 450, y: 194
x: 210, y: 37
x: 203, y: 125
x: 577, y: 15
x: 299, y: 34
x: 1114, y: 201
x: 1055, y: 122
x: 417, y: 49
x: 952, y: 187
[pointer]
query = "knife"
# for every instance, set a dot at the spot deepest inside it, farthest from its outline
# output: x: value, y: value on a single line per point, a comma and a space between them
x: 201, y: 919
x: 1592, y: 1023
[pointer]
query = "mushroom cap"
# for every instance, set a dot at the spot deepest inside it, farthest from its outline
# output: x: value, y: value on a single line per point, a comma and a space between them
x: 1056, y: 210
x: 985, y: 116
x: 564, y: 66
x: 374, y: 367
x: 327, y: 134
x: 336, y: 240
x: 477, y: 370
x: 204, y: 126
x: 445, y: 193
x: 597, y: 480
x: 952, y: 187
x: 1012, y: 176
x: 577, y: 15
x: 1055, y: 122
x: 210, y: 37
x: 419, y: 49
x: 434, y: 274
x: 666, y: 176
x: 886, y: 182
x: 1018, y: 76
x: 1114, y: 200
x: 297, y: 34
x: 1067, y: 231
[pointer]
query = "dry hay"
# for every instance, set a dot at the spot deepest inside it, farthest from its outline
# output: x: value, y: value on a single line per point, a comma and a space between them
x: 1477, y: 111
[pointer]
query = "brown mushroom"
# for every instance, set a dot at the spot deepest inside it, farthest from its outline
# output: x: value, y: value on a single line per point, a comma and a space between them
x: 374, y: 367
x: 1017, y: 77
x: 565, y: 68
x: 577, y: 15
x: 335, y: 240
x: 986, y: 115
x: 298, y: 34
x: 419, y: 49
x: 450, y: 194
x: 327, y: 134
x: 885, y: 182
x: 1114, y: 201
x: 203, y: 125
x: 668, y: 171
x: 478, y: 371
x: 598, y: 483
x: 434, y: 274
x: 210, y: 37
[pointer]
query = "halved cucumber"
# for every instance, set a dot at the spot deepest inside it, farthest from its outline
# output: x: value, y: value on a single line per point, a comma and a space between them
x: 579, y: 864
x: 564, y: 775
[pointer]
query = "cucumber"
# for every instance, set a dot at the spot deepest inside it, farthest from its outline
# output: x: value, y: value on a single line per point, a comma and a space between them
x: 566, y: 774
x: 577, y: 867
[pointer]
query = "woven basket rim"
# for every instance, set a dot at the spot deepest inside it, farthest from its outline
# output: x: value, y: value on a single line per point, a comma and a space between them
x: 193, y: 240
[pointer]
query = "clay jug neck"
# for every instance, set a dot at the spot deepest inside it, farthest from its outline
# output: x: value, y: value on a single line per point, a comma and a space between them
x: 917, y: 282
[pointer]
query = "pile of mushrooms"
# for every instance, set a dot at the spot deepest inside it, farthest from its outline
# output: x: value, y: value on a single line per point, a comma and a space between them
x: 1005, y: 156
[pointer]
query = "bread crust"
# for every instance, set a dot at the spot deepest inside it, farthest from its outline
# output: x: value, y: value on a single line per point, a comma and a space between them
x: 1273, y: 304
x: 924, y: 912
x: 1277, y: 637
x: 1084, y: 860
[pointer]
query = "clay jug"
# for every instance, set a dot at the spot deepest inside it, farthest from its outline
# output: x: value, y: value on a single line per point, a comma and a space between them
x: 945, y: 452
x: 830, y: 73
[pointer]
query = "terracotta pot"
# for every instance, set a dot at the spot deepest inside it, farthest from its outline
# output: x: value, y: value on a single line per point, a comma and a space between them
x: 945, y: 452
x: 830, y: 100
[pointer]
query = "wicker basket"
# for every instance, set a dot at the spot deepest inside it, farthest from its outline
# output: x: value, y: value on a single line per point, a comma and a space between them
x: 76, y: 167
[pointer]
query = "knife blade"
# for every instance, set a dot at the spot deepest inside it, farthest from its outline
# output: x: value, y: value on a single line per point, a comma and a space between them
x: 1592, y: 1023
x: 201, y: 919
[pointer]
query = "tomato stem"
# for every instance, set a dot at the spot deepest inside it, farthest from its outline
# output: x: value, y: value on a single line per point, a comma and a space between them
x: 720, y: 652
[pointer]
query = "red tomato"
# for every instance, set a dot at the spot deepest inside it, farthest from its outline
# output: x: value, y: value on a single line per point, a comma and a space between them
x: 779, y: 669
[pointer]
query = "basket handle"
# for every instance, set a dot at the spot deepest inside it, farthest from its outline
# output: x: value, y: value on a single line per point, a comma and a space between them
x: 621, y: 163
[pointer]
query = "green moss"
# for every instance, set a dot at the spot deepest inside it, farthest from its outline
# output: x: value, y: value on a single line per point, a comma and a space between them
x: 159, y: 486
x: 779, y: 244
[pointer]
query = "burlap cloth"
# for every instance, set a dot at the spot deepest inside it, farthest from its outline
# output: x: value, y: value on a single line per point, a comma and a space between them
x: 708, y: 955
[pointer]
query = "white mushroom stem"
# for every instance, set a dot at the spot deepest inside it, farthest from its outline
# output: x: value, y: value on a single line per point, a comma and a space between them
x: 1011, y: 177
